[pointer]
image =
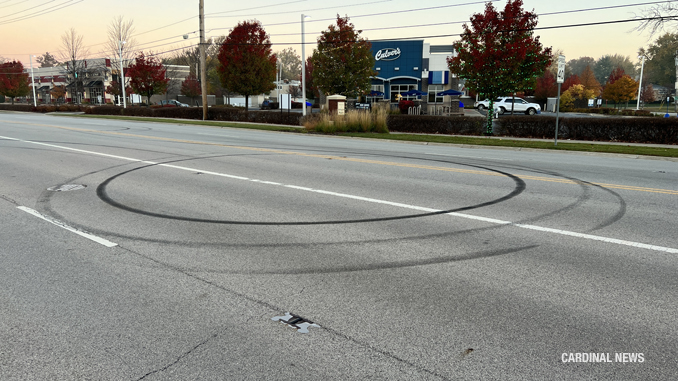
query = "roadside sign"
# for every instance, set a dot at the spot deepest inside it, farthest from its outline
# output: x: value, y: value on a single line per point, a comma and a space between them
x: 559, y: 80
x: 561, y: 69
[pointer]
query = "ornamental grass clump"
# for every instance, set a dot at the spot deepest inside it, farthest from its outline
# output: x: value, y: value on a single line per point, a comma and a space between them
x: 352, y: 121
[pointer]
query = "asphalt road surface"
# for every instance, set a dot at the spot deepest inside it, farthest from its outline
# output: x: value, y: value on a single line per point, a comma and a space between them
x: 134, y: 250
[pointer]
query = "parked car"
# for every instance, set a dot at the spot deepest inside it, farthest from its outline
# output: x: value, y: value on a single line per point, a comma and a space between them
x: 172, y: 103
x: 503, y: 104
x: 269, y: 105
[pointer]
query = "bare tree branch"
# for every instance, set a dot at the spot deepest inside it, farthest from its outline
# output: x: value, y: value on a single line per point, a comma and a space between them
x: 72, y: 54
x: 658, y: 17
x: 120, y: 30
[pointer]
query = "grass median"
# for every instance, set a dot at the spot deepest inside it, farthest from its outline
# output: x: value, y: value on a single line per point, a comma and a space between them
x: 444, y: 139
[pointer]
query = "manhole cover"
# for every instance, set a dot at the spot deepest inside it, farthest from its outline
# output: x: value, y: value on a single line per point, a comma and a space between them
x: 67, y: 187
x: 302, y: 325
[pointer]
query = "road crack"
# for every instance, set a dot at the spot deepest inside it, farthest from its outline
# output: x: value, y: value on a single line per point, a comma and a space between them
x: 179, y: 358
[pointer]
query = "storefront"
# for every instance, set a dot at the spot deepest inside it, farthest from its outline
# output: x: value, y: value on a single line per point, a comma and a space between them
x: 407, y: 65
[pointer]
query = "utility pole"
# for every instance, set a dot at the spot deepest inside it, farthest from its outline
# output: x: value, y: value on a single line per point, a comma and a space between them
x: 203, y: 69
x: 35, y: 101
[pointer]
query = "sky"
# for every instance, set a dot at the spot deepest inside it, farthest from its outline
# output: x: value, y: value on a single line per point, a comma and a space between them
x: 33, y: 27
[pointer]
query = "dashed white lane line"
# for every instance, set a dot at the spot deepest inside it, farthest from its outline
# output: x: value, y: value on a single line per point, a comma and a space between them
x: 62, y: 225
x: 377, y: 201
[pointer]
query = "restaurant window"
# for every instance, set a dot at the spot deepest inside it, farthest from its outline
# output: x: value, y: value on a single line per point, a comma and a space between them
x: 398, y: 89
x: 432, y: 91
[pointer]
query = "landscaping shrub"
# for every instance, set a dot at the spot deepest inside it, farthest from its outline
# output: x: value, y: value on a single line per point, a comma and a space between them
x: 631, y: 130
x: 404, y: 106
x: 611, y: 111
x: 104, y: 110
x: 429, y: 124
x: 46, y: 108
x: 17, y: 107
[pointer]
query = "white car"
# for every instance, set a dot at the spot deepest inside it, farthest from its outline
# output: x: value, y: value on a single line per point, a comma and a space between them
x: 503, y: 104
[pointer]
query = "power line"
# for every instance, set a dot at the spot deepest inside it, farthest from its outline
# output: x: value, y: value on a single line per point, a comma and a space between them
x: 26, y: 10
x: 463, y: 22
x: 308, y: 10
x: 409, y: 26
x: 11, y: 5
x: 41, y: 12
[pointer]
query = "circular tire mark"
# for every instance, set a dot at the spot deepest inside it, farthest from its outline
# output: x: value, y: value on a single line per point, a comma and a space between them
x: 103, y: 195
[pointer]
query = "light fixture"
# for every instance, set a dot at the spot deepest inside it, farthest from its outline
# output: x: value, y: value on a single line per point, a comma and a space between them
x: 640, y: 80
x: 122, y: 77
x: 35, y: 101
x: 303, y: 67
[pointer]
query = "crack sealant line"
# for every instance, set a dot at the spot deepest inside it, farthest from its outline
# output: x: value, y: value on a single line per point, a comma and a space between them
x: 384, y: 202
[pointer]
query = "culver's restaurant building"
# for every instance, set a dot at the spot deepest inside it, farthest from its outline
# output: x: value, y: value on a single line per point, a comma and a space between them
x: 405, y: 65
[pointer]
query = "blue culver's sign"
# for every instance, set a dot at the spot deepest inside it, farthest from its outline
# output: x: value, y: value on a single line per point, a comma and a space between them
x: 387, y: 54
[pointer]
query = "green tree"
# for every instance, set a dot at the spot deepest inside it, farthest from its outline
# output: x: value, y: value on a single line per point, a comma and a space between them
x: 607, y: 63
x: 660, y: 67
x: 147, y: 77
x: 47, y: 60
x: 499, y: 53
x: 13, y: 81
x: 343, y: 61
x: 578, y: 65
x: 291, y: 63
x: 246, y: 62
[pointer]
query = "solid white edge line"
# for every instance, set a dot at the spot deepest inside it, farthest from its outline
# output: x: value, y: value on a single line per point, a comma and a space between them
x: 60, y: 224
x: 372, y: 200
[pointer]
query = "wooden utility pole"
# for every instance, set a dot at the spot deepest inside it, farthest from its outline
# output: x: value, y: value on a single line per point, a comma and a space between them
x: 203, y: 70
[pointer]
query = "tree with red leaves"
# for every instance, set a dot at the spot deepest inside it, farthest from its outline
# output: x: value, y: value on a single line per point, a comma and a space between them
x: 546, y: 87
x: 147, y: 77
x: 499, y: 53
x: 616, y: 74
x: 13, y: 81
x: 191, y: 88
x: 343, y: 61
x: 116, y: 90
x: 571, y: 81
x: 311, y: 87
x: 246, y: 61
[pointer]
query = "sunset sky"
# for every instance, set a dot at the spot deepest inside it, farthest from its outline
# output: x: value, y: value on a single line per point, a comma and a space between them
x: 33, y: 27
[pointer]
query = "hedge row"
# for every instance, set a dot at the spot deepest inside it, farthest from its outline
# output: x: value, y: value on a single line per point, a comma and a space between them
x: 611, y: 111
x: 213, y: 113
x: 41, y: 108
x: 630, y: 130
x: 429, y: 124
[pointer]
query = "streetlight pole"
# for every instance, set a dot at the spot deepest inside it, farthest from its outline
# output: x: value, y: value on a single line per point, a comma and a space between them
x: 122, y: 77
x: 640, y: 82
x: 303, y: 67
x: 676, y: 84
x: 35, y: 101
x: 203, y: 69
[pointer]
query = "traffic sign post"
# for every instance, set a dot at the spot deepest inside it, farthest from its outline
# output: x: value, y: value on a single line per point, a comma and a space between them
x: 560, y: 80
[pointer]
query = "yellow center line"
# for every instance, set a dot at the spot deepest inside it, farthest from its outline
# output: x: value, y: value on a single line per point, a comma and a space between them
x: 357, y: 160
